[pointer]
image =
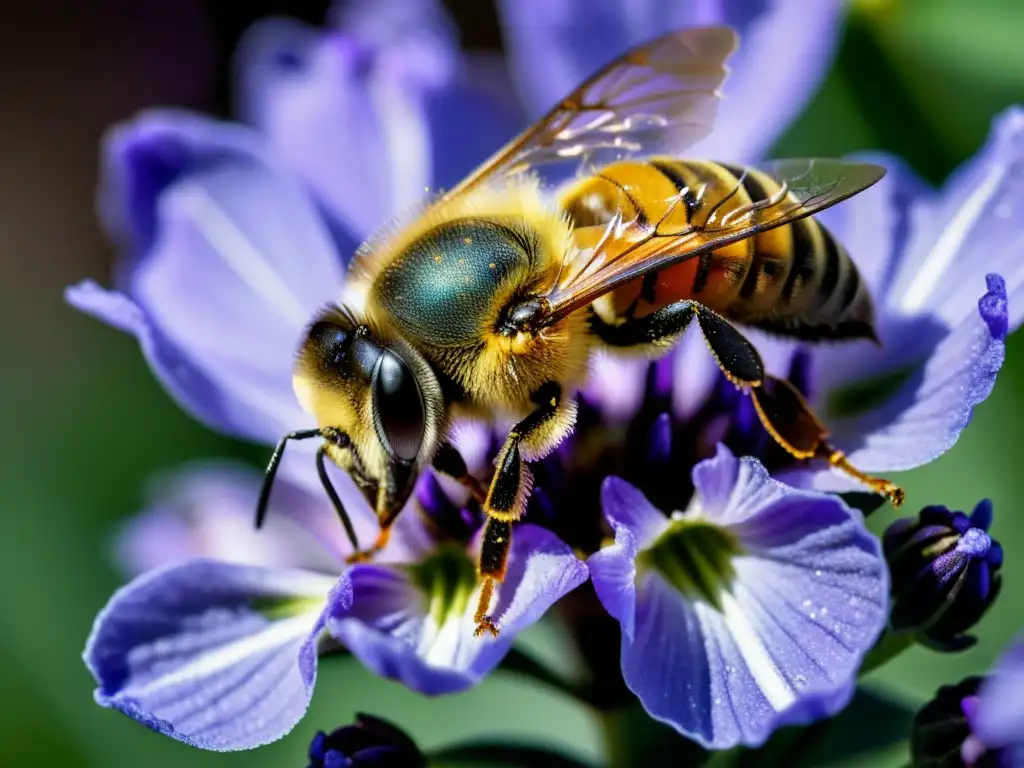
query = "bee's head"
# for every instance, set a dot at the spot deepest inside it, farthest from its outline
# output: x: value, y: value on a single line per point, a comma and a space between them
x: 380, y: 395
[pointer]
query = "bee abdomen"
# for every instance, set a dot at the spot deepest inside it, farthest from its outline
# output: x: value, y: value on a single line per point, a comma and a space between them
x: 802, y: 282
x: 794, y: 279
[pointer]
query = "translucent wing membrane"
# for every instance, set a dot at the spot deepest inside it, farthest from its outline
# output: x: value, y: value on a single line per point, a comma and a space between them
x: 659, y: 97
x: 712, y: 209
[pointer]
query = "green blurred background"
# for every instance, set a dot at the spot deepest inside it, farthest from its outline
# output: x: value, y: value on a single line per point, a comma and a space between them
x: 85, y: 424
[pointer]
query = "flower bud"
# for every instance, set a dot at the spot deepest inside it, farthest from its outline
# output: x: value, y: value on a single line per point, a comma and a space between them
x: 941, y: 727
x: 368, y: 743
x: 944, y: 568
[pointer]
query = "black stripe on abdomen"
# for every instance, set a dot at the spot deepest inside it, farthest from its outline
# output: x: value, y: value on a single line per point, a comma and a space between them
x: 831, y: 267
x: 757, y: 192
x: 804, y: 258
x: 681, y: 185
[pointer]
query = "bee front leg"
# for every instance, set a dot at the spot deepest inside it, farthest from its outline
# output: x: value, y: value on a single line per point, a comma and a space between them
x: 506, y: 499
x: 449, y: 461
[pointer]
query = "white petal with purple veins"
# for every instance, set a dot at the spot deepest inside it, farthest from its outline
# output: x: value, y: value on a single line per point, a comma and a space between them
x: 770, y: 633
x: 417, y: 639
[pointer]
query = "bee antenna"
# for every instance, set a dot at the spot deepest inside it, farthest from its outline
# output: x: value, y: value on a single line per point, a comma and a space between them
x: 275, y: 462
x: 332, y: 494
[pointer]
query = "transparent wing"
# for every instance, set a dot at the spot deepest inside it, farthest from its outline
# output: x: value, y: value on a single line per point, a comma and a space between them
x: 608, y: 256
x: 659, y: 97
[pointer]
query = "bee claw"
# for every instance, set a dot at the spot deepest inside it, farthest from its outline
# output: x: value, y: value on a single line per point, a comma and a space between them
x: 362, y: 556
x: 893, y: 493
x: 485, y: 625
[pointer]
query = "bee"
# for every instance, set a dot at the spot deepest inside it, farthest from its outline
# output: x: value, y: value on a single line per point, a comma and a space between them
x: 490, y: 302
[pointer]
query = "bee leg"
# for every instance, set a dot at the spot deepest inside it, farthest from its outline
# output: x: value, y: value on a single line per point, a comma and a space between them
x: 505, y: 500
x: 365, y: 555
x: 493, y: 561
x: 736, y: 356
x: 449, y: 461
x: 659, y: 329
x: 793, y: 425
x: 332, y: 494
x: 780, y: 407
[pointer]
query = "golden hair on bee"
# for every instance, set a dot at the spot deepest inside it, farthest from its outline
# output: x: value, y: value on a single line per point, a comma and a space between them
x: 526, y: 240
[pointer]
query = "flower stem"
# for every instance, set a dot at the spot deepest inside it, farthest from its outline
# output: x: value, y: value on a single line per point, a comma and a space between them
x: 520, y: 663
x: 632, y: 738
x: 890, y: 645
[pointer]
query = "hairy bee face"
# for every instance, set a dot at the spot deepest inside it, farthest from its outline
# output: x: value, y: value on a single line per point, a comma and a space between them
x: 380, y: 398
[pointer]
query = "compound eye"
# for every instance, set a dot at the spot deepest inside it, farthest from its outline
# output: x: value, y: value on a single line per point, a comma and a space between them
x: 398, y: 410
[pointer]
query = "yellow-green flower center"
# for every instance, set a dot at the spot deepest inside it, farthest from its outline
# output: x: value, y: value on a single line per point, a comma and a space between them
x: 696, y: 558
x: 277, y: 608
x: 447, y: 578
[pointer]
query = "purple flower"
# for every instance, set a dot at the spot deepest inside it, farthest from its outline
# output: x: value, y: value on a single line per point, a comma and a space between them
x: 997, y: 716
x: 369, y: 742
x: 222, y: 655
x: 977, y: 723
x: 554, y: 44
x: 750, y: 610
x: 945, y: 573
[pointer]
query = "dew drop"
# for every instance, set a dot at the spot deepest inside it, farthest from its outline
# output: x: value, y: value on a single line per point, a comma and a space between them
x: 817, y: 573
x: 853, y: 602
x: 800, y: 682
x: 824, y: 611
x: 806, y: 603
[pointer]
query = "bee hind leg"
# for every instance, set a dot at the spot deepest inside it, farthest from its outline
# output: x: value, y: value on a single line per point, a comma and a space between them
x: 780, y: 407
x: 505, y: 501
x: 793, y: 425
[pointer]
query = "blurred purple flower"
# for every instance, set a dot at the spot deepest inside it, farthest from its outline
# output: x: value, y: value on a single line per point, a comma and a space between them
x: 977, y: 723
x: 750, y: 610
x: 231, y: 237
x: 554, y: 44
x: 997, y: 715
x: 205, y: 510
x: 223, y: 655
